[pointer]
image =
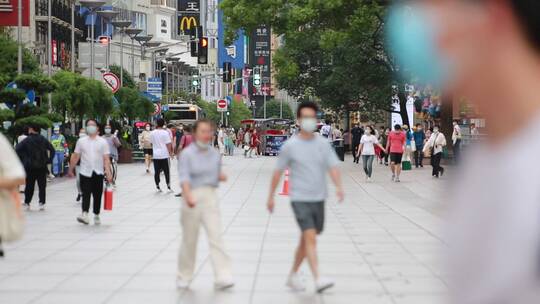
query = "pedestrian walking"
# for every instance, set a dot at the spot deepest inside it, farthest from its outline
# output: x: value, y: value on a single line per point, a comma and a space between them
x: 59, y: 144
x: 146, y: 144
x: 161, y: 151
x: 435, y: 144
x: 199, y: 174
x: 419, y: 139
x: 93, y: 152
x: 309, y: 157
x: 82, y: 134
x: 240, y: 138
x: 114, y: 144
x: 35, y: 153
x: 326, y: 130
x: 232, y: 142
x: 255, y: 143
x: 221, y: 140
x: 12, y: 175
x: 366, y: 150
x: 396, y: 146
x: 383, y: 139
x: 247, y: 143
x: 456, y: 141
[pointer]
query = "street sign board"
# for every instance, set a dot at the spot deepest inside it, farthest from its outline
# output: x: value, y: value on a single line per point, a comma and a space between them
x: 154, y: 87
x: 112, y: 81
x: 222, y: 105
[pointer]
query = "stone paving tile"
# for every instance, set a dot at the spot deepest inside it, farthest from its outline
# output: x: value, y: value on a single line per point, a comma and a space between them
x: 381, y: 246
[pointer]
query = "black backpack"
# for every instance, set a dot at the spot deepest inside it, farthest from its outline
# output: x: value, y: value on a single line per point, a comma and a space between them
x: 37, y: 154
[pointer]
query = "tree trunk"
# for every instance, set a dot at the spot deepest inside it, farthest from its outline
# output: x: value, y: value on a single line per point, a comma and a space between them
x: 403, y: 108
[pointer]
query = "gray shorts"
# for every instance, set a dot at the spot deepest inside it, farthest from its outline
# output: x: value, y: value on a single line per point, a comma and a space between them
x: 309, y: 215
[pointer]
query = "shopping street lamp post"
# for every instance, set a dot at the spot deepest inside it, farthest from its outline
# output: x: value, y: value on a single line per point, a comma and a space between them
x: 107, y: 16
x: 92, y: 6
x: 132, y: 33
x: 121, y: 25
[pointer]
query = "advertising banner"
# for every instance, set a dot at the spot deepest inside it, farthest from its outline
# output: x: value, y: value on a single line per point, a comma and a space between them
x: 233, y: 53
x: 8, y: 12
x: 189, y: 16
x: 260, y: 56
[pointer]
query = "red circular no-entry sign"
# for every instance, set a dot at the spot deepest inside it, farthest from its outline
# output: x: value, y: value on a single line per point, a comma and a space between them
x: 222, y: 105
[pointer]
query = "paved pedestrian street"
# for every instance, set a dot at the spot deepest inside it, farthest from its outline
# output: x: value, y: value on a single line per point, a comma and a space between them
x: 382, y: 245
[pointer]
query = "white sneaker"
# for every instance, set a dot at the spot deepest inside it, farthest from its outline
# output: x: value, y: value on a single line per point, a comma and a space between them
x: 397, y: 180
x: 393, y: 177
x: 295, y: 283
x: 26, y: 207
x: 323, y: 284
x: 181, y: 284
x: 83, y: 218
x: 41, y: 207
x: 369, y: 180
x: 224, y: 285
x: 97, y: 220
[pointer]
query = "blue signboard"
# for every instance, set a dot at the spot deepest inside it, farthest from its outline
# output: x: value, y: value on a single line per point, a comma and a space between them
x: 274, y: 144
x: 154, y: 87
x: 30, y: 96
x: 233, y: 53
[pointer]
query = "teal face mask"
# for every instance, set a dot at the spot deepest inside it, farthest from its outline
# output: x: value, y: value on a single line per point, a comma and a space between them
x: 411, y: 37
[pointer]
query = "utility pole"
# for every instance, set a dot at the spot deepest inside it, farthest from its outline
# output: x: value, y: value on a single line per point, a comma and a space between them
x: 49, y: 47
x: 73, y: 36
x: 19, y: 37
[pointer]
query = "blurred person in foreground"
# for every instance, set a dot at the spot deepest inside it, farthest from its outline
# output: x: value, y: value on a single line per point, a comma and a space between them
x: 310, y: 157
x: 488, y: 52
x: 199, y: 172
x: 12, y: 175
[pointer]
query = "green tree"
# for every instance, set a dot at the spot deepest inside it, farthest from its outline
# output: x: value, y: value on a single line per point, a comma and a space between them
x: 127, y: 79
x: 273, y: 108
x: 8, y: 58
x: 333, y: 50
x: 133, y: 105
x: 238, y: 112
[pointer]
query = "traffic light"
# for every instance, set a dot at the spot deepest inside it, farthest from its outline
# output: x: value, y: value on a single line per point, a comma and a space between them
x: 195, y: 34
x: 227, y: 71
x: 257, y: 77
x: 203, y: 51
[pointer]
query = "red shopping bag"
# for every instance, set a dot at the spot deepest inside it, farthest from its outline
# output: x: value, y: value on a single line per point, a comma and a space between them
x: 108, y: 198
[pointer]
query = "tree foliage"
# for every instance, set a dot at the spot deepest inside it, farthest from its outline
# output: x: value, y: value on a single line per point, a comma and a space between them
x: 333, y: 50
x: 8, y: 58
x: 133, y: 105
x: 127, y: 79
x: 273, y: 108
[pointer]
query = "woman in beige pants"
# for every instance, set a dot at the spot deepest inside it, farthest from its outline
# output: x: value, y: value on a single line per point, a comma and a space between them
x: 199, y: 170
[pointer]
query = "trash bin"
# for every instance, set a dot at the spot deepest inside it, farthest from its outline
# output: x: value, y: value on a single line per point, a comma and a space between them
x: 339, y: 146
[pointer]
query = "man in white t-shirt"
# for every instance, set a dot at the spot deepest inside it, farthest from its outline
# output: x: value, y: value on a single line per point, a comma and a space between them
x: 93, y: 152
x: 326, y: 130
x: 161, y: 151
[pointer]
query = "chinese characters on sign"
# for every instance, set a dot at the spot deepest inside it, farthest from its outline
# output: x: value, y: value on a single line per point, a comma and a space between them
x: 188, y: 15
x: 260, y: 56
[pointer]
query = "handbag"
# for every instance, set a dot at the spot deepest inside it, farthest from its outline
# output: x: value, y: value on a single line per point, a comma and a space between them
x: 11, y: 217
x: 246, y: 148
x: 108, y: 198
x: 413, y: 145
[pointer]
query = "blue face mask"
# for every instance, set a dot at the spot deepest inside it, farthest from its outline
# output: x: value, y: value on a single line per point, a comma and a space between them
x: 410, y: 35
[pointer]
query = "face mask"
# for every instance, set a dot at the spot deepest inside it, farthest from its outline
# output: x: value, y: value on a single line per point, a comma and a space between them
x: 91, y: 130
x: 411, y: 36
x: 436, y: 130
x: 107, y: 131
x: 56, y: 131
x: 202, y: 145
x: 368, y: 131
x: 82, y: 135
x: 147, y: 128
x: 308, y: 124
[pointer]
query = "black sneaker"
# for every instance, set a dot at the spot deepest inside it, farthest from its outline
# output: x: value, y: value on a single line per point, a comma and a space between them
x: 78, y: 199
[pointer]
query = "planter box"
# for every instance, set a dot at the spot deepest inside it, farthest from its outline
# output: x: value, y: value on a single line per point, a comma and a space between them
x: 125, y: 156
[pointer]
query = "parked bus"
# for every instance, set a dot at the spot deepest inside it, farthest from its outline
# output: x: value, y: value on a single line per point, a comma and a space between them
x: 183, y: 113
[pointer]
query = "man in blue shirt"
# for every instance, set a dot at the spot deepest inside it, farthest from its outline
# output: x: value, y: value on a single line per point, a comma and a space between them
x: 419, y: 138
